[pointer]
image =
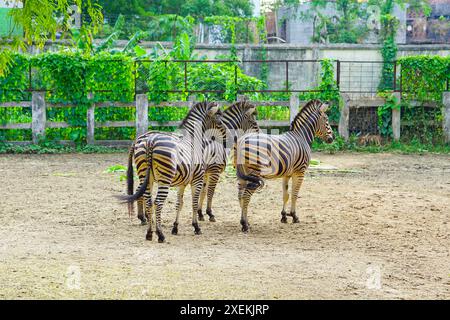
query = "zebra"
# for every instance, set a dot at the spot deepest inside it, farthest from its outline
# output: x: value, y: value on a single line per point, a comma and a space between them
x: 239, y: 118
x: 283, y: 156
x: 172, y: 160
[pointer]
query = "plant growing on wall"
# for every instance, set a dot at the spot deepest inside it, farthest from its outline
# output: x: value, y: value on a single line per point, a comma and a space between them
x: 389, y: 25
x: 424, y: 78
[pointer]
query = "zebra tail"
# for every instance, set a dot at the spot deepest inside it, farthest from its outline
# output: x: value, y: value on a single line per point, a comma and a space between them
x: 140, y: 192
x: 253, y: 182
x: 130, y: 179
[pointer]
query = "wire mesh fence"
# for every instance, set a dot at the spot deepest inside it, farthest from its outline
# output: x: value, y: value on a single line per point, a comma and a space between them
x: 223, y: 78
x: 365, y: 78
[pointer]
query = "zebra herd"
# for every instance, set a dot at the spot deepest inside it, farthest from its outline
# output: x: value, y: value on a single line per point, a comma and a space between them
x: 198, y: 156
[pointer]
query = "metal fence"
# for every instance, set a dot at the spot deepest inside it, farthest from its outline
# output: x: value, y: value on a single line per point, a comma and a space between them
x: 358, y: 78
x: 214, y: 77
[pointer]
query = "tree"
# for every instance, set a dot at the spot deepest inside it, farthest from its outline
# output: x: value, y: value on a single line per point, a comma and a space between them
x: 42, y: 20
x: 195, y: 8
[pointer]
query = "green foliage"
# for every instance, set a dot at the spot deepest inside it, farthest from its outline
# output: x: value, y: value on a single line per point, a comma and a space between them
x: 423, y: 79
x: 42, y: 20
x: 200, y: 8
x: 166, y: 27
x: 68, y: 77
x: 385, y: 113
x: 327, y: 90
x: 346, y: 26
x: 261, y: 26
x: 414, y: 146
x: 389, y: 24
x: 166, y: 74
x: 116, y: 168
x: 48, y: 147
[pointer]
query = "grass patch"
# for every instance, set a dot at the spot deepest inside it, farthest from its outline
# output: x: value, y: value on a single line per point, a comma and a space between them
x: 55, y: 148
x: 339, y: 145
x: 411, y: 147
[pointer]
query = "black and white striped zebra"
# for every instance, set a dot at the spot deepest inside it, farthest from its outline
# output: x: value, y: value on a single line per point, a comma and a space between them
x: 173, y: 160
x: 239, y: 118
x: 262, y: 156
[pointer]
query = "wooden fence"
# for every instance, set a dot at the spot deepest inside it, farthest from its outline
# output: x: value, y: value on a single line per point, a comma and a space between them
x: 39, y: 121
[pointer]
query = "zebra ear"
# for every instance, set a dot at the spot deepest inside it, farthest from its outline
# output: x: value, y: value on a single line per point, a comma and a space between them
x: 251, y: 109
x: 324, y: 107
x: 213, y: 108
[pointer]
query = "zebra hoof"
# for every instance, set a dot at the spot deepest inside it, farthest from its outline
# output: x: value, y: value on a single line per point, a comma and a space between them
x: 142, y: 218
x: 197, y: 229
x: 295, y: 218
x: 175, y: 230
x: 201, y: 217
x: 161, y: 237
x: 149, y: 236
x: 211, y: 216
x: 283, y: 217
x: 245, y: 229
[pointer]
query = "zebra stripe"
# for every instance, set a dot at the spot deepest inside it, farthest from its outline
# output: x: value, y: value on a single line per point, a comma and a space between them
x: 173, y: 160
x: 238, y: 118
x: 280, y: 156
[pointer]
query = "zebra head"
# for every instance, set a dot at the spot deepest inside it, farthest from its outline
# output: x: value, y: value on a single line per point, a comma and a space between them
x: 214, y: 128
x: 324, y: 130
x: 248, y: 123
x: 239, y: 118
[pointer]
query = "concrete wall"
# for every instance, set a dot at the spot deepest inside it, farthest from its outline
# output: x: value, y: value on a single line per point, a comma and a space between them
x: 355, y: 76
x: 300, y: 20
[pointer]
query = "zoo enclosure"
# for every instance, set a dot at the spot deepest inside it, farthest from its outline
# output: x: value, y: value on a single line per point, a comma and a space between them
x: 356, y: 81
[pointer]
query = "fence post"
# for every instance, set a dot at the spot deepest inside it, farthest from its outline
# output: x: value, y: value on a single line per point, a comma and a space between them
x: 396, y: 118
x: 344, y: 118
x: 141, y: 114
x: 39, y: 117
x: 294, y: 104
x: 446, y: 118
x: 90, y: 120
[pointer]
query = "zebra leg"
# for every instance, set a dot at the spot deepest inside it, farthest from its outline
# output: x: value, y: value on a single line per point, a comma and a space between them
x: 163, y: 190
x: 297, y: 181
x: 196, y: 187
x: 141, y: 208
x: 178, y: 208
x: 212, y: 183
x: 148, y: 206
x: 245, y: 200
x: 285, y: 187
x: 202, y: 199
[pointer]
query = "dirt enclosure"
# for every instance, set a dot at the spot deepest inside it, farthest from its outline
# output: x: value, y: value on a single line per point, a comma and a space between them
x: 377, y: 227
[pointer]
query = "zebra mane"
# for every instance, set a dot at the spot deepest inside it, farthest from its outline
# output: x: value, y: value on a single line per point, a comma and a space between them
x: 237, y: 107
x: 309, y: 107
x: 198, y: 108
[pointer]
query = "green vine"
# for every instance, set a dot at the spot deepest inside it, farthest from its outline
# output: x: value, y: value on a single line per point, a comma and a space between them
x: 264, y: 73
x: 424, y: 78
x: 389, y: 25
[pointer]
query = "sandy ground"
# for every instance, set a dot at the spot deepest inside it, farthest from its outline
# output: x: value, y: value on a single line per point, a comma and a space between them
x: 376, y: 228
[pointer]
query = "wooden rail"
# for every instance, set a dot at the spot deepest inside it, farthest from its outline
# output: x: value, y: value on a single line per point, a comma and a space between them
x: 39, y: 122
